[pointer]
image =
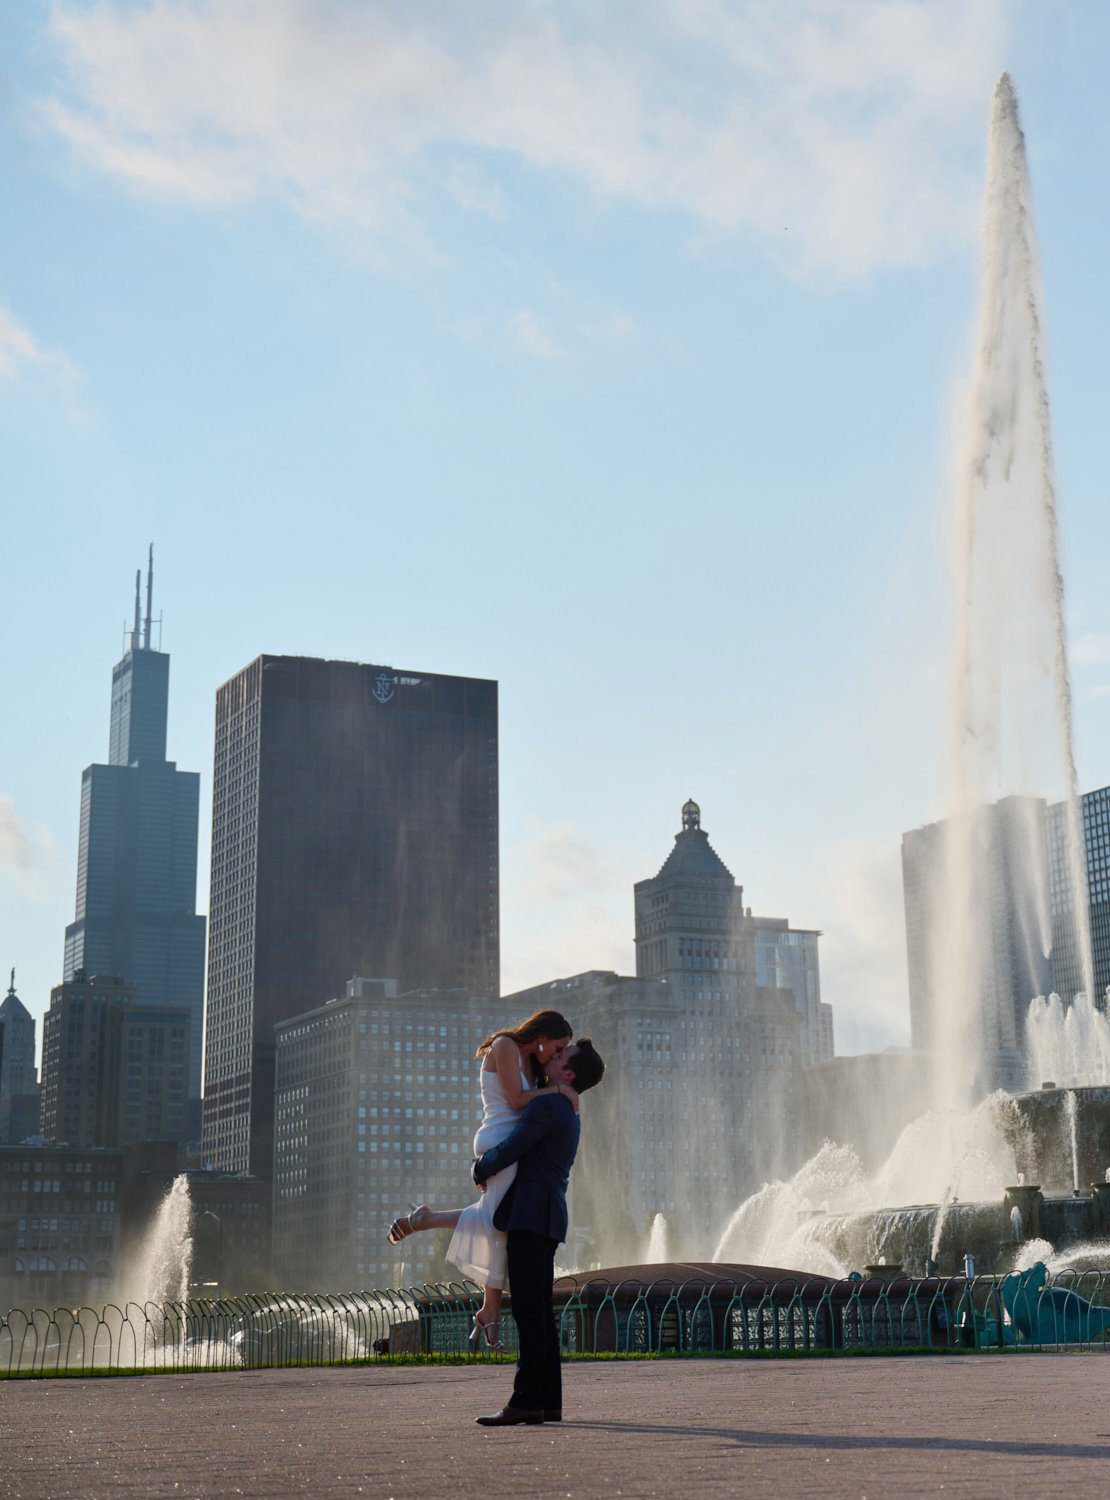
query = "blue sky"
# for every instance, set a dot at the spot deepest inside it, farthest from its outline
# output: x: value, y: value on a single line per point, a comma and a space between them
x: 608, y: 351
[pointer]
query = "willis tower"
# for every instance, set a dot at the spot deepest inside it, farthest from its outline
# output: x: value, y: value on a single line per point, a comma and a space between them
x: 136, y: 912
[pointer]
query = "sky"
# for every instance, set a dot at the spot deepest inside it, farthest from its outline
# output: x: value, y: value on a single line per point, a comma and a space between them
x: 613, y: 352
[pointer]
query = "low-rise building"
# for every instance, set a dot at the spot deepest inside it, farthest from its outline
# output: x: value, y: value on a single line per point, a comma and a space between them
x: 377, y: 1101
x: 59, y: 1225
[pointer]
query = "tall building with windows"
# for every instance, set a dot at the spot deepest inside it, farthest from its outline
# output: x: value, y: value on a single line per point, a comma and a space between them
x: 114, y: 1070
x: 137, y: 855
x: 354, y: 832
x: 701, y: 1100
x: 1067, y: 967
x: 376, y: 1103
x: 693, y: 930
x: 786, y: 959
x: 1021, y: 896
x: 19, y: 1085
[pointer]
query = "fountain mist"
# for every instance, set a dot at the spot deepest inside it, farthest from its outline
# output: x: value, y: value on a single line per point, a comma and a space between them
x: 655, y: 1253
x: 1068, y: 1044
x: 161, y: 1267
x: 1011, y: 731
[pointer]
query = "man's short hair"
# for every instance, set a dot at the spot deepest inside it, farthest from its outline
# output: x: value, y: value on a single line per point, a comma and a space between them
x: 585, y: 1065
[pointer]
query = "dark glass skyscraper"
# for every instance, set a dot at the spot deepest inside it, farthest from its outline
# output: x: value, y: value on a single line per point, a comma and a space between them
x: 1067, y: 965
x: 136, y: 914
x: 354, y: 831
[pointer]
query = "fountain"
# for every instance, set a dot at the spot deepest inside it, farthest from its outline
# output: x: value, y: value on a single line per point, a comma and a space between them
x: 656, y: 1252
x: 1010, y: 751
x: 160, y: 1268
x: 1067, y: 1043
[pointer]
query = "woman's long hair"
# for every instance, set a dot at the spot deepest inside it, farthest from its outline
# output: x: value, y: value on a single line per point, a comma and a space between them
x: 544, y: 1023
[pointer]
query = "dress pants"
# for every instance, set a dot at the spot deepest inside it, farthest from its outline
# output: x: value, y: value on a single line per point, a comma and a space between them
x: 539, y: 1377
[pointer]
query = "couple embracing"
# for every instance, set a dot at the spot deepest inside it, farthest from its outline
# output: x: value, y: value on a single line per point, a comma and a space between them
x: 531, y: 1079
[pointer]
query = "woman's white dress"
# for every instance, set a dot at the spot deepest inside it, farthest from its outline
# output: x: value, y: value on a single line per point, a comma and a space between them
x: 477, y: 1248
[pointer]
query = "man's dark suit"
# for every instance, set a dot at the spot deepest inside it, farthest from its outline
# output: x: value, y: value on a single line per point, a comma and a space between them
x: 534, y: 1212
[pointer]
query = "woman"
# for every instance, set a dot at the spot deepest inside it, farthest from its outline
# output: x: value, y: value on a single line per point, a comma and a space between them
x: 512, y: 1073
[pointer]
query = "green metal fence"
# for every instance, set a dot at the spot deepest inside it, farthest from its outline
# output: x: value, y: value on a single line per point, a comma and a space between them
x: 1029, y: 1310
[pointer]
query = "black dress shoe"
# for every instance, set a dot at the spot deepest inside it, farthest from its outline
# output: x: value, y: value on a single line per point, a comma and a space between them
x: 553, y: 1414
x: 512, y: 1416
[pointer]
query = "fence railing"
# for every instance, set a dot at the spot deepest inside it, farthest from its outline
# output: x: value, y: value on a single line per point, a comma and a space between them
x: 1028, y: 1310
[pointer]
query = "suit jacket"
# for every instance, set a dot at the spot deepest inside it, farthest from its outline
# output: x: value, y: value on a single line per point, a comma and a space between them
x: 543, y: 1143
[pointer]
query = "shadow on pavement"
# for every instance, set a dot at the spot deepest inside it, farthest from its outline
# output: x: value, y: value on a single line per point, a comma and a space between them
x: 847, y: 1441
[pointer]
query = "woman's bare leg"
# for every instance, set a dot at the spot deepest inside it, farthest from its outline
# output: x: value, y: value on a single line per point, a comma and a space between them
x: 430, y: 1218
x: 490, y: 1310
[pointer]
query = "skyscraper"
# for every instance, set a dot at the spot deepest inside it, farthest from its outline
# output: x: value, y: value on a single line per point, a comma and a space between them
x: 354, y: 832
x: 1067, y: 965
x: 113, y: 1070
x: 19, y: 1088
x: 136, y: 911
x: 701, y: 1098
x: 1023, y: 904
x: 693, y: 930
x: 1005, y: 900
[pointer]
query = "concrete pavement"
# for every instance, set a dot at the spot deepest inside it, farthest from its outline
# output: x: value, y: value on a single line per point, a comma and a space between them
x: 977, y: 1425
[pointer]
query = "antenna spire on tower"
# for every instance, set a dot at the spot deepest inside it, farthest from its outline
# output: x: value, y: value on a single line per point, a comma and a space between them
x: 138, y: 606
x: 149, y: 593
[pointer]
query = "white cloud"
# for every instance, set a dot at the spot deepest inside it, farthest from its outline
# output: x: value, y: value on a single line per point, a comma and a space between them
x: 21, y: 352
x: 612, y: 328
x: 555, y: 862
x: 1090, y: 651
x: 26, y: 853
x: 858, y: 891
x: 842, y: 136
x: 527, y: 330
x: 564, y: 909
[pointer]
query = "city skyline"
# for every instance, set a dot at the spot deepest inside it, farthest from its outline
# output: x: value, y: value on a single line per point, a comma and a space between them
x: 653, y: 462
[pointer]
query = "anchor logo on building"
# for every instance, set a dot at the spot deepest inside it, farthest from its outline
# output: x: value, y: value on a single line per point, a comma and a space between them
x: 383, y: 687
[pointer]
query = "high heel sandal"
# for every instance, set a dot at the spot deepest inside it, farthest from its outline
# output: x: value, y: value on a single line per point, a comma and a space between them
x: 400, y: 1229
x: 490, y: 1331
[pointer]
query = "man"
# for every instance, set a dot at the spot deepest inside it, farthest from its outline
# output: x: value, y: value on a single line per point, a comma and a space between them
x: 534, y: 1213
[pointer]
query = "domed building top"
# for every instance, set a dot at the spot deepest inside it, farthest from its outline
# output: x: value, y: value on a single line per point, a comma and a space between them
x: 693, y: 857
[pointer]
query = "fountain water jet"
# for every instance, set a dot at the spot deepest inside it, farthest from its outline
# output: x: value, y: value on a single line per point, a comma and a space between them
x: 1010, y: 751
x: 656, y: 1252
x: 161, y: 1267
x: 1069, y: 1043
x: 1071, y: 1114
x: 1010, y: 675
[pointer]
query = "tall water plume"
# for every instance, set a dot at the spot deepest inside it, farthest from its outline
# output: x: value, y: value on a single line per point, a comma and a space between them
x: 1011, y: 734
x: 160, y: 1268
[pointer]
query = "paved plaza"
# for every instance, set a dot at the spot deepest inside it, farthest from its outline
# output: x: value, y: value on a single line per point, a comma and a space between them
x: 1031, y: 1425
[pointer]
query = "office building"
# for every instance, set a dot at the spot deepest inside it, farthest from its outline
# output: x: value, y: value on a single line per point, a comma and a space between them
x: 377, y: 1100
x: 114, y: 1071
x: 698, y: 1106
x: 1067, y: 966
x: 354, y: 832
x: 137, y: 855
x: 786, y: 959
x: 19, y: 1085
x: 59, y: 1225
x: 693, y: 930
x: 1015, y: 883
